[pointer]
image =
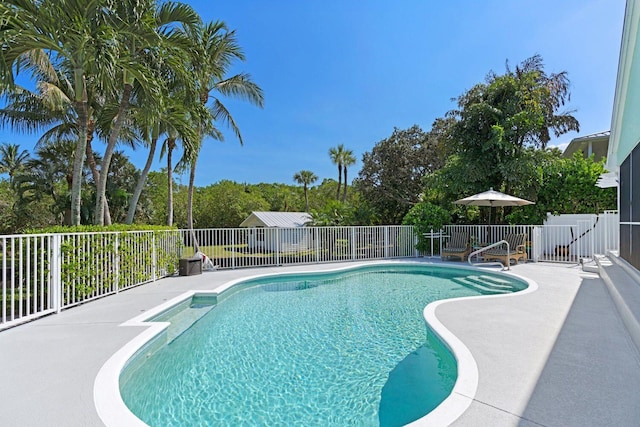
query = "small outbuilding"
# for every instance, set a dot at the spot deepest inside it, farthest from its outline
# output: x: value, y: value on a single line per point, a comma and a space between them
x: 278, y: 231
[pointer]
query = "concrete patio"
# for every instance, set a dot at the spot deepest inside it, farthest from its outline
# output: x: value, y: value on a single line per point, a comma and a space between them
x: 559, y: 356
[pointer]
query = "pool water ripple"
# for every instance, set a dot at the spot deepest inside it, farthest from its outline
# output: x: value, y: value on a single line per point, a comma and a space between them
x: 346, y: 350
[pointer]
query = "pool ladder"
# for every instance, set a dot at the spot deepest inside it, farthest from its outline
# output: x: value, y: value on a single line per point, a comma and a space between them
x: 491, y: 246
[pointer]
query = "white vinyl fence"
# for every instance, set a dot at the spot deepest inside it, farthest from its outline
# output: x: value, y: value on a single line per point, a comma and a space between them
x: 569, y: 238
x: 45, y: 273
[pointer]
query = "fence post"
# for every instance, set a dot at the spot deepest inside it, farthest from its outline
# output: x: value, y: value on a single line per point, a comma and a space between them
x: 606, y: 233
x: 154, y: 257
x: 386, y: 241
x: 353, y: 242
x: 233, y: 245
x: 56, y: 272
x: 278, y: 243
x: 536, y: 244
x: 4, y: 280
x: 116, y: 262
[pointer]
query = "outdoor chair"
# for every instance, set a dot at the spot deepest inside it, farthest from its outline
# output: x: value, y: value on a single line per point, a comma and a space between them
x: 457, y: 246
x: 517, y: 250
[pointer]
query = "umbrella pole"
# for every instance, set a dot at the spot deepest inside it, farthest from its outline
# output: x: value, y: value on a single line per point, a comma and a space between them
x: 488, y: 239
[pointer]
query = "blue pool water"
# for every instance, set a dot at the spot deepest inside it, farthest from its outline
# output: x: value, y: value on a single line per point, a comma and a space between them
x: 348, y: 348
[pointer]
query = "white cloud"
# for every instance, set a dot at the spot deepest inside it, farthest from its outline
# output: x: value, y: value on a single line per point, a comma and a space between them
x: 563, y: 146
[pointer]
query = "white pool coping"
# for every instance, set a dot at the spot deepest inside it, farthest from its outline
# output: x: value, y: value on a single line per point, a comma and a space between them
x: 114, y: 413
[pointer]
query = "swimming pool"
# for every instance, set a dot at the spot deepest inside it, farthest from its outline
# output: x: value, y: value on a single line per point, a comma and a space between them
x: 338, y: 348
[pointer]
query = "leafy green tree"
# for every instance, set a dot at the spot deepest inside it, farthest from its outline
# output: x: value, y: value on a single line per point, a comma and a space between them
x: 16, y: 217
x: 7, y: 200
x: 49, y: 174
x: 566, y: 186
x: 305, y: 178
x: 156, y: 194
x: 391, y: 176
x: 333, y: 213
x: 12, y: 160
x: 156, y: 191
x: 281, y: 197
x: 426, y: 217
x: 498, y: 120
x: 123, y: 177
x: 225, y: 204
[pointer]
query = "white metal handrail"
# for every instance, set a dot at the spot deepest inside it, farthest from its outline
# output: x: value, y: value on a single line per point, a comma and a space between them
x: 491, y: 246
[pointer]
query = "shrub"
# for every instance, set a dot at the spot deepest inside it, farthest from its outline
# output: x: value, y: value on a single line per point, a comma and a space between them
x: 425, y: 216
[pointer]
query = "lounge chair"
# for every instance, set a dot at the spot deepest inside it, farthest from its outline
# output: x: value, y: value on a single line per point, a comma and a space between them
x: 457, y: 246
x: 517, y: 250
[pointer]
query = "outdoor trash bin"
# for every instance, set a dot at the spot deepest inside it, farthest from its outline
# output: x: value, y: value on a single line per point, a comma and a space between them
x: 190, y: 266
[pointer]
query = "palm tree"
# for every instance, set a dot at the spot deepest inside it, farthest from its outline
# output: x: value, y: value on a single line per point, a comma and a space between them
x: 53, y: 32
x: 305, y: 178
x: 347, y: 160
x: 51, y: 108
x: 142, y: 27
x: 167, y: 147
x: 337, y: 156
x: 50, y: 172
x: 164, y: 115
x: 12, y: 160
x: 214, y: 51
x: 173, y: 123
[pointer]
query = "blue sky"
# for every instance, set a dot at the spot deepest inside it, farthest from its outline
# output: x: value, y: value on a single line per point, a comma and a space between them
x: 348, y: 72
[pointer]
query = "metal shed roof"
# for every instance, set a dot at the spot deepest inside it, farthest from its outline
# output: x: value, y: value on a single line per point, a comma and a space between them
x: 277, y: 219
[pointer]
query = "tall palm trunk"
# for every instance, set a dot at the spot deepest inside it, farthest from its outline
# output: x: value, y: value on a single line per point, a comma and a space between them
x: 108, y: 153
x: 306, y: 198
x: 192, y: 177
x: 339, y: 180
x: 91, y: 161
x: 78, y: 161
x: 344, y: 192
x: 141, y: 181
x: 171, y: 143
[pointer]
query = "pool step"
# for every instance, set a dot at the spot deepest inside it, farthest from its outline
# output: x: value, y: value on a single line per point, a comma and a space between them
x: 497, y: 282
x: 478, y: 285
x: 184, y: 319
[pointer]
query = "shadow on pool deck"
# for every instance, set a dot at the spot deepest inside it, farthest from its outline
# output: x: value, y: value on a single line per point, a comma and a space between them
x: 571, y: 363
x: 589, y: 379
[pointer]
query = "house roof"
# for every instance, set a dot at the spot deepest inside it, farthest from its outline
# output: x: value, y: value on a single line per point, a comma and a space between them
x: 277, y: 219
x: 597, y: 143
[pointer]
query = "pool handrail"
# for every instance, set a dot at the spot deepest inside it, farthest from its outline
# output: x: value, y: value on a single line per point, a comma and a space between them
x: 484, y: 248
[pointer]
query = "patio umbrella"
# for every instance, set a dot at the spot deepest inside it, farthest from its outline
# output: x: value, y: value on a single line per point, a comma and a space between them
x: 493, y: 198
